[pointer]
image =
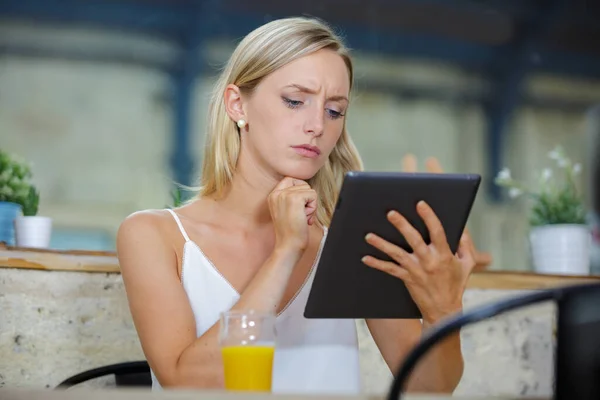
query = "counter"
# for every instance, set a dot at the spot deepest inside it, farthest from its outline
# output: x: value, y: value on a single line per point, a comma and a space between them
x: 65, y: 312
x: 106, y: 262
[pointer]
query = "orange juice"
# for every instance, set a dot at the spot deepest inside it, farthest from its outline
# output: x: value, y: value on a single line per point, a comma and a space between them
x: 248, y: 367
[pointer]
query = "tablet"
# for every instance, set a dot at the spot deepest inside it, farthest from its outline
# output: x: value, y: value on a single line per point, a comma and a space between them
x: 343, y: 286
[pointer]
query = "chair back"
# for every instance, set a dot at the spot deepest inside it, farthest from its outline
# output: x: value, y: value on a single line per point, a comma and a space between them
x: 577, y: 365
x: 127, y: 374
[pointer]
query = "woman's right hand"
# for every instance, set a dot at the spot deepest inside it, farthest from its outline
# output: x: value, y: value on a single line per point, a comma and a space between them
x: 293, y: 206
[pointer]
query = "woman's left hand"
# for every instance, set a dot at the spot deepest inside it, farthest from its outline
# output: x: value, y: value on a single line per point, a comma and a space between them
x: 435, y: 278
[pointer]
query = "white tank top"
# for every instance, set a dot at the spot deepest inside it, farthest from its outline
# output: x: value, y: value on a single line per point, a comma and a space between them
x: 315, y: 356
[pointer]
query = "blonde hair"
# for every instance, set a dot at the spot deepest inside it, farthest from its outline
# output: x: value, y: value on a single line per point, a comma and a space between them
x: 261, y: 52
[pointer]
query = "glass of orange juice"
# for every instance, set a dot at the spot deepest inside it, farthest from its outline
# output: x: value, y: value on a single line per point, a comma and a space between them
x: 247, y: 340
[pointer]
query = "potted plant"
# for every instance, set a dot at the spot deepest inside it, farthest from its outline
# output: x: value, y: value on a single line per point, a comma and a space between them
x: 15, y: 177
x: 19, y: 201
x: 559, y: 237
x: 32, y: 230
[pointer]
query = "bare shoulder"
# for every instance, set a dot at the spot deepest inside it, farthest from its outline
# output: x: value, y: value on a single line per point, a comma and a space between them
x: 146, y: 225
x: 143, y: 235
x: 141, y: 221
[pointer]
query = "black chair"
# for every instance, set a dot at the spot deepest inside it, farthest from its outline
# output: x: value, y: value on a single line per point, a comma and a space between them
x: 127, y: 374
x: 577, y: 361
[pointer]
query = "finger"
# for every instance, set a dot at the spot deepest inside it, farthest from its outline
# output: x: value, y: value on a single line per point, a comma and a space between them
x: 464, y: 247
x: 469, y: 240
x: 482, y: 260
x: 396, y: 253
x: 433, y: 165
x: 310, y: 199
x: 434, y: 226
x: 412, y: 236
x: 466, y: 251
x: 310, y: 207
x: 299, y: 182
x: 466, y: 231
x: 387, y: 267
x: 307, y: 195
x: 285, y: 183
x: 409, y: 163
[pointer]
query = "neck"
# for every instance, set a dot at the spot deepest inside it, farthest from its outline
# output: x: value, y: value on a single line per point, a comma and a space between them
x: 247, y: 194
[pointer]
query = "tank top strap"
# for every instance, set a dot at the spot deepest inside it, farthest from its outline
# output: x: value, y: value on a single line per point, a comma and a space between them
x: 183, y: 232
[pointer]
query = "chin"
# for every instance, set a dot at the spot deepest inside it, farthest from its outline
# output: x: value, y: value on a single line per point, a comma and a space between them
x: 303, y: 172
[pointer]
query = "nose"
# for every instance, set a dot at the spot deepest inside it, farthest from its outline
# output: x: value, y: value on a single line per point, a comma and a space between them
x: 315, y: 123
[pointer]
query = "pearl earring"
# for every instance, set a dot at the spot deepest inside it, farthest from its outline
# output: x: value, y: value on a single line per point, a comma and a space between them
x: 241, y: 124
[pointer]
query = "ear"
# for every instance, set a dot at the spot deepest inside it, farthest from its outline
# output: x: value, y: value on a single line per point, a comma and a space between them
x: 234, y: 103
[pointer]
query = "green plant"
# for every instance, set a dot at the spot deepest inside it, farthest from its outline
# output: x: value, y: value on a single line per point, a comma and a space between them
x: 31, y: 204
x: 176, y: 197
x: 555, y: 199
x: 15, y: 183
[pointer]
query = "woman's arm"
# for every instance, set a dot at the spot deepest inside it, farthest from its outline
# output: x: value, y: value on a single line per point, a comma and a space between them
x: 161, y: 310
x: 159, y: 305
x: 440, y: 370
x: 436, y: 280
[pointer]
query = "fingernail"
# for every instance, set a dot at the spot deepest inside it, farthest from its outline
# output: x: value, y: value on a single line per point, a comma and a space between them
x: 368, y: 236
x: 392, y: 214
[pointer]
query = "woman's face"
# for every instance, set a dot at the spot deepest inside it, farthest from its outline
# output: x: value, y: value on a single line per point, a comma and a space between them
x: 296, y: 115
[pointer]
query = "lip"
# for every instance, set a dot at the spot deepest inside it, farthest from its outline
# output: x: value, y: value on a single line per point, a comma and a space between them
x: 307, y: 150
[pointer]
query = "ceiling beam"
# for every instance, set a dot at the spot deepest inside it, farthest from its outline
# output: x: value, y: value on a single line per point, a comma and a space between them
x: 175, y: 20
x: 129, y: 15
x: 580, y: 13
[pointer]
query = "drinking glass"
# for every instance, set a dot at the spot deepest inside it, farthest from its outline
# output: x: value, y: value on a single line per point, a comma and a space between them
x: 247, y: 341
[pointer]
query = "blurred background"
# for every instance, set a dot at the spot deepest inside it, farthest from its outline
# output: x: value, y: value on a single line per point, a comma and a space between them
x: 107, y: 99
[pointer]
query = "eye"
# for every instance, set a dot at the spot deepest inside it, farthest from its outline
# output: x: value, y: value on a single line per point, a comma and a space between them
x: 292, y: 103
x: 333, y: 114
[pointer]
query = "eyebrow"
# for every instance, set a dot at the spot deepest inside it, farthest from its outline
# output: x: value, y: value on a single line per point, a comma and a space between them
x: 311, y: 91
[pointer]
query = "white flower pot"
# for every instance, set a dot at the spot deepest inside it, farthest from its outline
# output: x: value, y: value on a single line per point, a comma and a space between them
x: 33, y: 231
x: 562, y: 249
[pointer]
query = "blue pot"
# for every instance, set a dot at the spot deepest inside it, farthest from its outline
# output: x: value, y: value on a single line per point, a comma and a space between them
x: 8, y: 213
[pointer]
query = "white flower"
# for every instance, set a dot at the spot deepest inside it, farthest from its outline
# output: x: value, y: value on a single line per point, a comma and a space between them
x: 504, y: 174
x: 555, y: 154
x: 559, y: 156
x: 576, y: 169
x: 514, y: 193
x: 546, y: 174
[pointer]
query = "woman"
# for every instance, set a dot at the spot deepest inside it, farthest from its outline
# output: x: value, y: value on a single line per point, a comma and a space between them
x: 277, y: 149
